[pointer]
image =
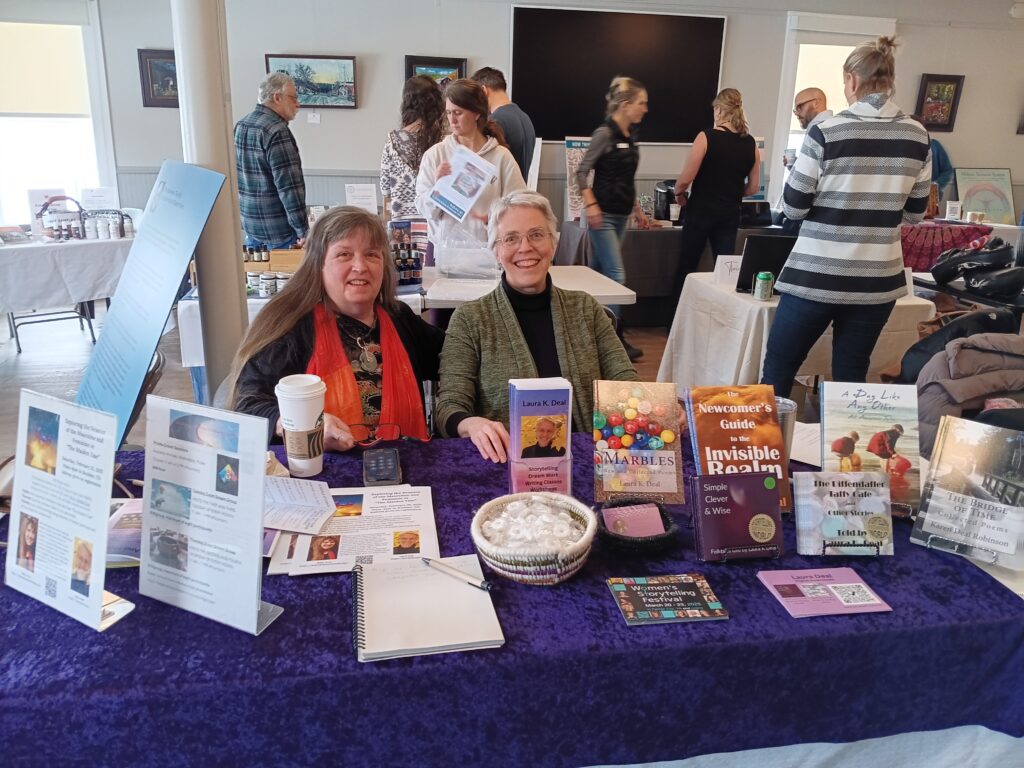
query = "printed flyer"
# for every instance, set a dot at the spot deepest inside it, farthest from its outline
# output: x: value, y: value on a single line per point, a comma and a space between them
x: 540, y: 426
x: 64, y: 468
x: 202, y: 519
x: 457, y: 193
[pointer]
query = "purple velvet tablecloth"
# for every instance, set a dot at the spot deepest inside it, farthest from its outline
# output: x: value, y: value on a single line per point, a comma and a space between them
x: 572, y: 685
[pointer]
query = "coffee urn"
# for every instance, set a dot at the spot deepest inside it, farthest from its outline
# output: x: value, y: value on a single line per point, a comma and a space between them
x: 664, y: 196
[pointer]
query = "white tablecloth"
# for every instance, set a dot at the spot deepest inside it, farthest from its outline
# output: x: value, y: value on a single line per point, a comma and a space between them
x: 719, y: 336
x: 49, y: 275
x: 448, y: 293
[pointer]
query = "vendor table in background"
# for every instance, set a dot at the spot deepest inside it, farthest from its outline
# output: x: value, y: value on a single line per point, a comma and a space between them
x: 49, y: 275
x: 572, y: 686
x: 719, y: 336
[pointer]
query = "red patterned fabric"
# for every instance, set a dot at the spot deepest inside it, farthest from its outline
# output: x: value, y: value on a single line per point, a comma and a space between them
x: 922, y: 243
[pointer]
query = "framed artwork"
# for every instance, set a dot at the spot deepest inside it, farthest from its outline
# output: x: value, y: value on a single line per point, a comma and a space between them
x: 324, y: 82
x: 159, y: 78
x: 937, y: 100
x: 442, y: 71
x: 986, y: 190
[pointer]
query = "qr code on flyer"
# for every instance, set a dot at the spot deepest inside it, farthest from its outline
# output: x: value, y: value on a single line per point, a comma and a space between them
x: 51, y: 587
x: 853, y: 594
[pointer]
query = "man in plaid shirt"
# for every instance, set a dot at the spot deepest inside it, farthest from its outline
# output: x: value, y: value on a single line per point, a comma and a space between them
x: 271, y: 189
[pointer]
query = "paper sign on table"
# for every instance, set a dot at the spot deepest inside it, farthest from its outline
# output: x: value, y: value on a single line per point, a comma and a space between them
x: 457, y: 193
x: 100, y: 199
x: 362, y: 196
x: 727, y: 270
x: 58, y: 543
x: 202, y: 519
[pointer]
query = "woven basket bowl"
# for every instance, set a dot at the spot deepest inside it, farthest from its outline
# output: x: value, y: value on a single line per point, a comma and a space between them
x: 535, y: 566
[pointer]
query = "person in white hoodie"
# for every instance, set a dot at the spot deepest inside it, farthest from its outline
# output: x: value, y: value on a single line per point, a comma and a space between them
x: 472, y: 128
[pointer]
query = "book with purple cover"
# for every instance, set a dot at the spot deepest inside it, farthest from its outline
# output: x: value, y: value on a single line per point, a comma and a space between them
x: 736, y: 516
x: 540, y: 425
x: 665, y: 599
x: 822, y: 592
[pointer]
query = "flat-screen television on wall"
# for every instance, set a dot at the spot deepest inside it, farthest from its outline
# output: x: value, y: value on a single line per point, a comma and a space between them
x: 563, y: 61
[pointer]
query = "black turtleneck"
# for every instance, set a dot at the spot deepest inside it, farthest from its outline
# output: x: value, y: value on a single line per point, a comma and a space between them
x: 533, y: 311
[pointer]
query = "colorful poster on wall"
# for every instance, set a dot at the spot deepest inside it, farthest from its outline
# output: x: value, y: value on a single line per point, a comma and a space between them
x: 986, y: 190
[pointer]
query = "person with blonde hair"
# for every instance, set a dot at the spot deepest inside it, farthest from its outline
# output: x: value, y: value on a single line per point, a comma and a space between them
x: 338, y: 318
x: 613, y: 156
x: 858, y: 177
x: 546, y: 429
x: 722, y: 167
x: 524, y: 328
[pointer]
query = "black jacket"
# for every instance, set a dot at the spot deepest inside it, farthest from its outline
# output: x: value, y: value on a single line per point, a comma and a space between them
x: 254, y: 391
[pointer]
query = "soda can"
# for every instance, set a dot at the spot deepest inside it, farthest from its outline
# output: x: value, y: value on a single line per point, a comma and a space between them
x: 763, y: 286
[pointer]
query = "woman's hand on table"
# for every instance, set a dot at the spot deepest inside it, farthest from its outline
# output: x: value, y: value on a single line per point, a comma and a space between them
x: 641, y: 219
x: 489, y: 437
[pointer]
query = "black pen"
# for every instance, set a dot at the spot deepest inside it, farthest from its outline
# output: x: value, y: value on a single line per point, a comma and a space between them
x: 455, y: 573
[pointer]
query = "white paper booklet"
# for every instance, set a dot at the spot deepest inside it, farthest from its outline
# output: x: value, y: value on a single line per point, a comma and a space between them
x: 64, y: 468
x: 202, y: 519
x: 457, y: 193
x: 293, y: 504
x: 369, y: 525
x: 411, y: 609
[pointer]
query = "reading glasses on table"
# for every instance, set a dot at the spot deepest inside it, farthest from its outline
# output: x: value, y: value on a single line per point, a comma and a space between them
x: 379, y: 433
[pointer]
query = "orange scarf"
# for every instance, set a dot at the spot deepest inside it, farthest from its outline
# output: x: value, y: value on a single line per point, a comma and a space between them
x: 400, y: 389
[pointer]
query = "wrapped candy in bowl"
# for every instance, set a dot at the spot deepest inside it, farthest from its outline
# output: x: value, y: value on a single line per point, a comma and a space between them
x: 534, y: 538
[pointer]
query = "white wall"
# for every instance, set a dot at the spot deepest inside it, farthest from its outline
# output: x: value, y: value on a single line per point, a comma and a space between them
x: 977, y: 39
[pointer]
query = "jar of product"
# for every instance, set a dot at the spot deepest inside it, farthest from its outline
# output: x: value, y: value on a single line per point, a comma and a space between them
x: 282, y: 280
x: 90, y: 229
x: 268, y: 285
x: 115, y: 231
x: 102, y: 229
x: 129, y: 229
x: 252, y: 280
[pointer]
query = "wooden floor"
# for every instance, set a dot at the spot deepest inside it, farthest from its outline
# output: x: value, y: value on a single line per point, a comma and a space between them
x: 55, y: 355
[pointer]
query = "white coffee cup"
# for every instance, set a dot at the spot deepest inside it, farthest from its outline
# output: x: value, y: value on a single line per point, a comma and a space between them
x: 300, y: 398
x: 673, y: 212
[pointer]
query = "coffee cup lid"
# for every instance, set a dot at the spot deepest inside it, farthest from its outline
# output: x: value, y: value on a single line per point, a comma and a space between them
x: 300, y: 385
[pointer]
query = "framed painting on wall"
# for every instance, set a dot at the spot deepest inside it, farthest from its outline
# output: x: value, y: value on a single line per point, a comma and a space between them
x: 937, y: 101
x: 324, y: 82
x: 441, y: 70
x: 986, y: 190
x: 159, y: 78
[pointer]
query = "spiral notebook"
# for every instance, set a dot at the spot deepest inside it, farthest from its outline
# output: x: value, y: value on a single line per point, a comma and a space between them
x: 406, y: 608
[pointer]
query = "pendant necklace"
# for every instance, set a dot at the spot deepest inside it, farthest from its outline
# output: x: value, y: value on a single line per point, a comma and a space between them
x: 367, y: 360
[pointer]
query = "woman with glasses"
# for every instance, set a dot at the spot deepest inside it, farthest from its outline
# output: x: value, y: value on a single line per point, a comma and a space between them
x: 722, y: 167
x: 524, y: 328
x: 338, y: 318
x: 472, y: 128
x: 858, y: 177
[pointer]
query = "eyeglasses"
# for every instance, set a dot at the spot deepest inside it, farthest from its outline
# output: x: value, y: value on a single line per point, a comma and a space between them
x: 801, y: 105
x: 512, y: 240
x: 377, y: 433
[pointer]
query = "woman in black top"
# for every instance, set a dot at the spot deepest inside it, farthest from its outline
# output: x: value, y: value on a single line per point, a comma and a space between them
x: 723, y: 167
x: 613, y: 157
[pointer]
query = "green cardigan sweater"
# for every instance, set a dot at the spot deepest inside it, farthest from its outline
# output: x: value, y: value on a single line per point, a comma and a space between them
x: 485, y: 347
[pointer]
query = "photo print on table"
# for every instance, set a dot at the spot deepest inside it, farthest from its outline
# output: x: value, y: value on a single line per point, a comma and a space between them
x: 348, y: 504
x: 169, y: 547
x: 202, y: 430
x: 81, y: 566
x: 406, y: 543
x: 171, y: 499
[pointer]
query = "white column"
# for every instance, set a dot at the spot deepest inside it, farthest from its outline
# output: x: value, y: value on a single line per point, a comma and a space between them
x: 204, y: 96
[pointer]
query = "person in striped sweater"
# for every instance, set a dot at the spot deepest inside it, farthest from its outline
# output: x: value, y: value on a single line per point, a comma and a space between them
x: 858, y: 177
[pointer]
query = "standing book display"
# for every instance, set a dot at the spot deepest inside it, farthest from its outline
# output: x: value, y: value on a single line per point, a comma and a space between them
x: 736, y: 517
x: 873, y: 428
x: 843, y: 513
x: 971, y: 504
x: 735, y: 429
x: 539, y: 420
x: 636, y: 450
